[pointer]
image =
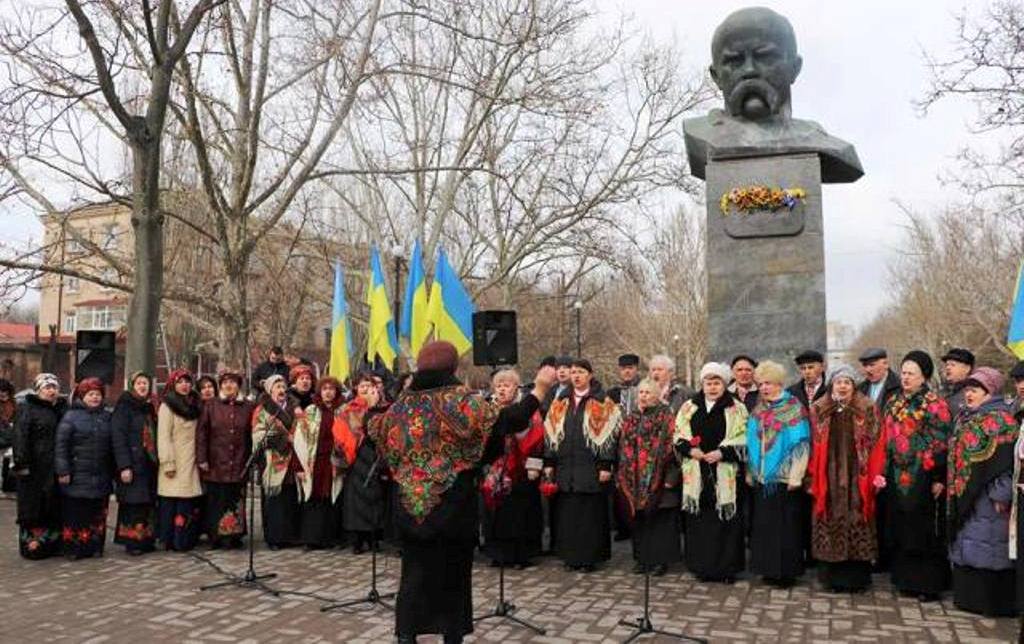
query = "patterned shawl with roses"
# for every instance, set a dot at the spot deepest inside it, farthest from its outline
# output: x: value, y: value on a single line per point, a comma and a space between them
x: 982, y: 448
x: 916, y: 429
x: 428, y: 438
x: 645, y: 451
x: 778, y: 435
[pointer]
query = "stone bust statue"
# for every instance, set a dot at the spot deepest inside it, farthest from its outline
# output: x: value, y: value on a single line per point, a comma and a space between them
x: 754, y: 63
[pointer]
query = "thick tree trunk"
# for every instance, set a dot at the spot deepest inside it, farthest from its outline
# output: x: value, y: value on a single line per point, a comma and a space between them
x: 234, y: 330
x: 148, y: 225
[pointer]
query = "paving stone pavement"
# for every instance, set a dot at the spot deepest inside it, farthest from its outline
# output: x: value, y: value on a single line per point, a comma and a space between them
x: 154, y: 598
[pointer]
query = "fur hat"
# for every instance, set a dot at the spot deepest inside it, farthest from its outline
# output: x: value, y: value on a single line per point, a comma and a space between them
x: 716, y: 370
x: 922, y: 360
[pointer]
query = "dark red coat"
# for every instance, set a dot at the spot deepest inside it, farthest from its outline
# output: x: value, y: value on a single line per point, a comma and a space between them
x: 224, y: 439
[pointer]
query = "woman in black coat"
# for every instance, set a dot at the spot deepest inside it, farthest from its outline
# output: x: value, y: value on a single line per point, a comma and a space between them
x: 363, y: 494
x: 35, y: 436
x: 84, y: 463
x: 133, y: 432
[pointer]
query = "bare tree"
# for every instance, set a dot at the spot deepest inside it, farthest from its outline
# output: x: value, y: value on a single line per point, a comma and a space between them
x: 518, y: 134
x: 56, y: 98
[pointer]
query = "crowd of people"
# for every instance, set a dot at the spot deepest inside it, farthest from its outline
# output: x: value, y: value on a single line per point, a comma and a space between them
x: 852, y: 471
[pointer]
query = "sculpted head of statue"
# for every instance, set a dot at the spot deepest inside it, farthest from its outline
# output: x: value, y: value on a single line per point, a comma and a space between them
x: 754, y: 63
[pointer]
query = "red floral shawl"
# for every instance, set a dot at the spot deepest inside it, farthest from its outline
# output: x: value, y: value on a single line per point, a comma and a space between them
x: 510, y: 468
x: 427, y: 438
x: 916, y: 429
x: 868, y: 442
x: 645, y: 451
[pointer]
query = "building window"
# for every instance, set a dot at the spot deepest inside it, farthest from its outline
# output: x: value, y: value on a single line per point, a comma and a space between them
x: 110, y: 234
x: 70, y: 319
x: 109, y: 274
x: 101, y: 318
x: 74, y: 247
x: 71, y: 284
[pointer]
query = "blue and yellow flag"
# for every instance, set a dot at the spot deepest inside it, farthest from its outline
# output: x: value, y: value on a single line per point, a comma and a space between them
x: 1015, y: 336
x: 450, y: 307
x: 340, y: 365
x: 415, y: 327
x: 381, y: 340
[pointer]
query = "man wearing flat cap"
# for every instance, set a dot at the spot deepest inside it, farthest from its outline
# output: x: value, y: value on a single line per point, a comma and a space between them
x: 811, y: 386
x: 957, y: 365
x: 880, y: 382
x: 434, y: 439
x: 624, y: 393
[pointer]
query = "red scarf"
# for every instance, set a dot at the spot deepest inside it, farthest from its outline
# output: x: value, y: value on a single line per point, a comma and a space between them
x: 510, y: 467
x: 868, y: 441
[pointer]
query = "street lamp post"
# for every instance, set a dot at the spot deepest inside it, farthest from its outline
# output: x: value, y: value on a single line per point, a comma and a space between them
x: 396, y: 251
x: 578, y: 306
x: 675, y: 357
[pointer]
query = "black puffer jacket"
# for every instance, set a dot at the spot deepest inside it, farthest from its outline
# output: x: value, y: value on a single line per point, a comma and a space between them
x: 35, y: 439
x: 126, y: 426
x: 84, y: 451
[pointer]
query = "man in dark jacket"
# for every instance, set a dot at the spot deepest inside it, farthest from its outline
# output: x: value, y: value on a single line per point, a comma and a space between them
x: 1017, y: 374
x: 957, y: 365
x: 624, y: 393
x: 273, y: 365
x: 811, y: 385
x: 880, y: 382
x: 662, y: 370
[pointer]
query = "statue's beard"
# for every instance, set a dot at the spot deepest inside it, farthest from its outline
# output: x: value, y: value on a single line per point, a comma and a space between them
x: 754, y: 99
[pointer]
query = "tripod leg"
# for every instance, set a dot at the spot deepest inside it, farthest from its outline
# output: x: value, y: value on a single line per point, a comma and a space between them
x: 522, y: 622
x: 219, y: 584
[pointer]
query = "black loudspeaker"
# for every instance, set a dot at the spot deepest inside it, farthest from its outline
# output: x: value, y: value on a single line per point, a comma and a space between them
x: 495, y: 341
x: 95, y: 355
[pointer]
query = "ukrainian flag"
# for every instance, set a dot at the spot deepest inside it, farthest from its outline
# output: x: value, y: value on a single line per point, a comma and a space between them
x: 381, y: 340
x: 415, y: 327
x: 450, y: 307
x: 1015, y: 336
x: 340, y: 365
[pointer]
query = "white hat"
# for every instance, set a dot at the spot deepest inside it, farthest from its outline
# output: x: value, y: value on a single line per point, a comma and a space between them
x: 45, y: 380
x: 268, y: 384
x: 716, y: 370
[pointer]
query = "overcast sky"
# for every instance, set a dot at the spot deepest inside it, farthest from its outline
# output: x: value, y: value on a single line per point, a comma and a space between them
x: 863, y: 68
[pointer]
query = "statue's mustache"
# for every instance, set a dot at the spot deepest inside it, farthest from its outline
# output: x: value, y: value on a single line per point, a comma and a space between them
x: 753, y: 87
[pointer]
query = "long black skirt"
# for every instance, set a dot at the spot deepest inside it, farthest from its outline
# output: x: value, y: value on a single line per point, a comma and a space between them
x: 656, y: 537
x: 85, y: 527
x: 583, y: 528
x: 714, y: 547
x: 224, y: 514
x: 318, y: 523
x: 179, y: 522
x: 136, y: 527
x: 916, y: 534
x: 281, y: 516
x: 435, y: 594
x: 776, y: 533
x: 513, y: 530
x: 40, y: 537
x: 985, y: 592
x: 845, y: 576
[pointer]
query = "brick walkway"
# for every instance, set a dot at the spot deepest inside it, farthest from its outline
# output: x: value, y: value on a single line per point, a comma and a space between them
x: 155, y: 599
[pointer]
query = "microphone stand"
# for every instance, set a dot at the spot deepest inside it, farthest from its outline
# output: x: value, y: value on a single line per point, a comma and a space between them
x: 642, y: 625
x: 249, y: 579
x: 373, y: 597
x: 504, y: 609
